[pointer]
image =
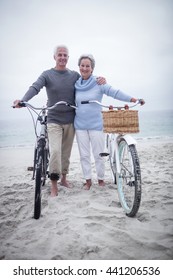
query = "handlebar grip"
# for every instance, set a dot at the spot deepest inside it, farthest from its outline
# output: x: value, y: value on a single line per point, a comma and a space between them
x: 22, y: 104
x: 141, y: 101
x: 85, y: 102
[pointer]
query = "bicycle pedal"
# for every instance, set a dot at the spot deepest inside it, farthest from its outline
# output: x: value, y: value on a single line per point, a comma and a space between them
x: 104, y: 154
x: 30, y: 168
x: 131, y: 184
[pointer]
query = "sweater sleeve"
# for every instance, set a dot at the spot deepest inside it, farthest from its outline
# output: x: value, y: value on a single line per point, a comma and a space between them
x: 35, y: 88
x: 115, y: 93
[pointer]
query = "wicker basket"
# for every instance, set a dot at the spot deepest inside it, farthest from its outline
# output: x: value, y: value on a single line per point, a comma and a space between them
x: 120, y: 121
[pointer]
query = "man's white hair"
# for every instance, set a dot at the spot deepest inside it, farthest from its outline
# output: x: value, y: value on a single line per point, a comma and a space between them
x: 60, y: 47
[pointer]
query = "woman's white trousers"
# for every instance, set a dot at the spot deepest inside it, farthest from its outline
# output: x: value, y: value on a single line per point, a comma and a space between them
x: 91, y: 140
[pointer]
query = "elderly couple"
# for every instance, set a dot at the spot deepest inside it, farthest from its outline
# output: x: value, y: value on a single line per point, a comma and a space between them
x: 64, y: 84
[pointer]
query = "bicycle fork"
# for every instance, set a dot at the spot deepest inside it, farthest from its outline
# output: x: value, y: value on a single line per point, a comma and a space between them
x: 113, y: 149
x: 114, y: 154
x: 129, y: 140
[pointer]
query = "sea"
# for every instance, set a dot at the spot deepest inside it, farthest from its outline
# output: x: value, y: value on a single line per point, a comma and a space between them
x: 153, y: 125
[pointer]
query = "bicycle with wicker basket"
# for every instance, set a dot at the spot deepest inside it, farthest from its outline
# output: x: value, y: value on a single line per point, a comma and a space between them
x: 118, y: 123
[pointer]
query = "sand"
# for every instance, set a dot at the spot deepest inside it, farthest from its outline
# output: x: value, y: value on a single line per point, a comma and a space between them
x: 87, y: 225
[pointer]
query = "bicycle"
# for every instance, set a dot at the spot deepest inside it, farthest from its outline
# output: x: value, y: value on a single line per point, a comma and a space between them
x: 123, y: 156
x: 41, y: 150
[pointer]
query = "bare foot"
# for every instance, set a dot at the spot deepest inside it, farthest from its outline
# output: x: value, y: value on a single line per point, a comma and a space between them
x: 64, y: 182
x: 54, y: 192
x: 101, y: 183
x: 54, y: 189
x: 88, y: 184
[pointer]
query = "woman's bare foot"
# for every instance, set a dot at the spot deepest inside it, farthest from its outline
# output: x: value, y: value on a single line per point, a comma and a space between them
x: 54, y: 188
x: 101, y: 183
x: 88, y: 184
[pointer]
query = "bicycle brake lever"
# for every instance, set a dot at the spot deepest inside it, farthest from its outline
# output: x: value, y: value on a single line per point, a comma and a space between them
x: 85, y: 102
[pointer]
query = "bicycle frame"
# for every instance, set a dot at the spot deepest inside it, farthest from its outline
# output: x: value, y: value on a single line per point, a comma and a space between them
x: 41, y: 141
x: 114, y: 140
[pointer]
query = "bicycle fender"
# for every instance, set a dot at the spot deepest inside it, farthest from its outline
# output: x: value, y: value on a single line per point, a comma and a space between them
x: 129, y: 139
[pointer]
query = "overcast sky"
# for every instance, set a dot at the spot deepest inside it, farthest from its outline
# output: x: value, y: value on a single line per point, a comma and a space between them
x: 131, y: 40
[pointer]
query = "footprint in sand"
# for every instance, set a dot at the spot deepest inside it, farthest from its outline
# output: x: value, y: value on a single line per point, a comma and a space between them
x: 82, y: 204
x: 144, y: 217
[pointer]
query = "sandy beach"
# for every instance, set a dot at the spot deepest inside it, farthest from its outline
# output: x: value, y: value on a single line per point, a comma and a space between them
x: 86, y: 225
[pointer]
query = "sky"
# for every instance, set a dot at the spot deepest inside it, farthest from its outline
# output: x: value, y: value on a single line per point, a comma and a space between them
x: 131, y: 40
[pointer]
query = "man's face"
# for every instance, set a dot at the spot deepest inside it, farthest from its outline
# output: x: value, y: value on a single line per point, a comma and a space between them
x: 61, y: 57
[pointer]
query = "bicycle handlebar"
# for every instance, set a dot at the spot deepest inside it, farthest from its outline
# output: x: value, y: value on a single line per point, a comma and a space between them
x: 26, y: 104
x: 139, y: 101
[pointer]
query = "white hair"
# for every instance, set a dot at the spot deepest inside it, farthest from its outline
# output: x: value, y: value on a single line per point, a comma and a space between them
x: 90, y: 57
x: 60, y: 47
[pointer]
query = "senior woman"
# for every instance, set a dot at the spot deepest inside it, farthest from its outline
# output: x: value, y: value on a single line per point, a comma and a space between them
x: 88, y: 120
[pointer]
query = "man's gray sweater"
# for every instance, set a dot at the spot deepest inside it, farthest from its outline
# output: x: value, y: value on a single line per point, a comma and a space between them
x: 59, y: 87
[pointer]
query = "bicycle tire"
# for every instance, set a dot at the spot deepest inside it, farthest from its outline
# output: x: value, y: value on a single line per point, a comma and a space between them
x: 38, y: 184
x: 129, y: 179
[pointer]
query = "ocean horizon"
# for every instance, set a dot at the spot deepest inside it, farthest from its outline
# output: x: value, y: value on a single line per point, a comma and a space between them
x: 16, y: 133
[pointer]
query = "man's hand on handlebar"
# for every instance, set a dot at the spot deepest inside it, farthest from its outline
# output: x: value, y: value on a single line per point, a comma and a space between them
x: 16, y: 104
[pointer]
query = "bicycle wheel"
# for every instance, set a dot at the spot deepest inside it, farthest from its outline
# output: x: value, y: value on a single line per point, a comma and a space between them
x: 38, y: 184
x: 129, y: 179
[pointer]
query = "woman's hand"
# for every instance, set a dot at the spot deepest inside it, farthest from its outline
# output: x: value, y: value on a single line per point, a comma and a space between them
x: 134, y: 100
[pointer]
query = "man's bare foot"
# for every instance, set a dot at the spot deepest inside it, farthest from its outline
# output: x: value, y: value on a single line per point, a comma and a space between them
x: 88, y: 184
x: 101, y: 183
x: 54, y: 188
x: 64, y: 182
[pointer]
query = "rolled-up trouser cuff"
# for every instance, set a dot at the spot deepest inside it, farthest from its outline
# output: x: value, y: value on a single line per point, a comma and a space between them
x: 54, y: 176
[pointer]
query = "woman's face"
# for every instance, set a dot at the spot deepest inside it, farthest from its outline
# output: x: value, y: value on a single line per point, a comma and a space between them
x: 85, y: 68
